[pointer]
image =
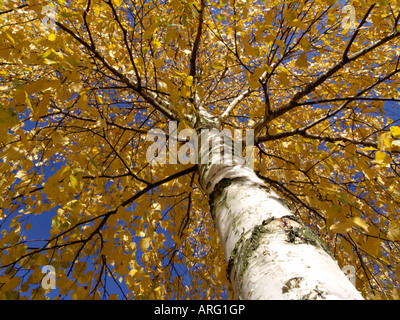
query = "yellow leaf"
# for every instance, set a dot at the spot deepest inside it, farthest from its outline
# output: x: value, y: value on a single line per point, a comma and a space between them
x: 394, y: 231
x: 59, y: 139
x: 395, y: 132
x: 364, y: 167
x: 50, y: 54
x: 341, y: 227
x: 180, y: 74
x: 159, y: 62
x: 28, y: 101
x: 371, y: 246
x: 189, y: 81
x: 10, y: 38
x: 249, y: 49
x: 52, y: 37
x: 254, y: 77
x: 298, y: 24
x: 133, y: 272
x: 42, y: 106
x: 41, y: 260
x: 8, y: 117
x: 11, y: 284
x: 144, y: 243
x: 302, y: 61
x: 388, y: 142
x: 149, y: 31
x: 138, y: 274
x: 80, y: 293
x: 305, y: 44
x: 382, y: 158
x: 217, y: 65
x: 172, y: 90
x: 220, y: 17
x: 280, y: 43
x: 74, y: 181
x: 381, y: 141
x: 360, y: 223
x: 66, y: 169
x: 118, y: 2
x: 283, y: 79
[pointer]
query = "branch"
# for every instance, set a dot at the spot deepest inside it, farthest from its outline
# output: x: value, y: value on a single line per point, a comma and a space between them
x: 310, y: 87
x: 104, y: 217
x: 110, y: 123
x: 85, y: 13
x: 353, y: 37
x: 196, y: 43
x: 265, y: 77
x: 342, y: 139
x: 126, y: 44
x: 306, y: 103
x: 233, y: 104
x: 302, y: 131
x: 123, y: 161
x: 149, y: 97
x: 10, y: 10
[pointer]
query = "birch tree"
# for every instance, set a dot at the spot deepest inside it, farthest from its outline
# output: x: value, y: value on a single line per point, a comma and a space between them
x: 315, y: 83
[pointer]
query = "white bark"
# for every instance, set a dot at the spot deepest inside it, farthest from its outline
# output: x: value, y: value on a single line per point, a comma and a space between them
x: 270, y: 254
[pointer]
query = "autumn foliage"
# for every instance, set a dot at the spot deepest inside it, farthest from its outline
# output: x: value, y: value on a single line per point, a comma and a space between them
x: 81, y: 89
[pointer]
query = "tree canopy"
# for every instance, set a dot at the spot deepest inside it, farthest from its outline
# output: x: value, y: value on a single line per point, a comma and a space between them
x: 83, y: 82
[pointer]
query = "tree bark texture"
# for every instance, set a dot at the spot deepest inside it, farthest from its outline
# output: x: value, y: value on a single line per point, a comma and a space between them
x: 270, y: 254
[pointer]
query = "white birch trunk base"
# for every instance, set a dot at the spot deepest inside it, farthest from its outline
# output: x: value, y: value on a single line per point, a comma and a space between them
x: 270, y: 255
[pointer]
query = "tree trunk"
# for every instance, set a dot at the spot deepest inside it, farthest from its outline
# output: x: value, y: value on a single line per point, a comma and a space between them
x: 270, y: 254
